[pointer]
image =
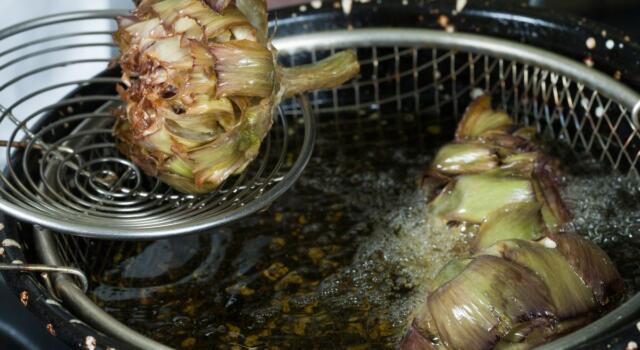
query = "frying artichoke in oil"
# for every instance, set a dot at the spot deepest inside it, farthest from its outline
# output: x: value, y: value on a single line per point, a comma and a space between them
x: 523, y: 282
x: 201, y: 83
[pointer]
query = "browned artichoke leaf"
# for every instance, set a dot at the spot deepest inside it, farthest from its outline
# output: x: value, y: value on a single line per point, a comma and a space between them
x: 218, y: 5
x: 480, y: 118
x: 483, y: 304
x: 520, y: 164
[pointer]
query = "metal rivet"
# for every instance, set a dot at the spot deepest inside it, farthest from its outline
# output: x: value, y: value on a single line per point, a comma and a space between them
x: 24, y: 297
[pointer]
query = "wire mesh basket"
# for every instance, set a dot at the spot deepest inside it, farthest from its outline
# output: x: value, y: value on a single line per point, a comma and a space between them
x: 63, y: 167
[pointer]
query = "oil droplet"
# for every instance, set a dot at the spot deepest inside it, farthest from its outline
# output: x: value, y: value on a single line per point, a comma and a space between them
x: 610, y: 44
x: 443, y: 21
x: 589, y: 61
x: 617, y: 75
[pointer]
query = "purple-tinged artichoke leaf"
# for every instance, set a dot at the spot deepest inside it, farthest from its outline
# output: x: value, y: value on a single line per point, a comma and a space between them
x: 414, y: 340
x: 593, y: 266
x: 482, y: 304
x: 569, y: 294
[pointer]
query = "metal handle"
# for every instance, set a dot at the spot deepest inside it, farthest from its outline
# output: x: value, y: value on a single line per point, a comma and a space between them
x: 84, y: 282
x: 635, y: 115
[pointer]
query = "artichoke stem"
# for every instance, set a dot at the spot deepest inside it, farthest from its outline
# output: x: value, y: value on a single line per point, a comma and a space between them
x: 329, y: 72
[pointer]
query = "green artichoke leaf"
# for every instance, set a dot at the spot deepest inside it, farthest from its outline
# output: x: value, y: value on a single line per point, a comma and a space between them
x: 515, y: 221
x: 473, y: 198
x: 464, y: 158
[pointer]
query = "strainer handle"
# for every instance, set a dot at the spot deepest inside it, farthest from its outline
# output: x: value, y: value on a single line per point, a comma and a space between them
x: 84, y: 282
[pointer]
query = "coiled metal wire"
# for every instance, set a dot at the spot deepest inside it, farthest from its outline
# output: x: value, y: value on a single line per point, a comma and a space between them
x: 63, y: 170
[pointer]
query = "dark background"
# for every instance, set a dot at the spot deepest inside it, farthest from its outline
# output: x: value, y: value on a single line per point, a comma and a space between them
x: 623, y: 14
x: 20, y: 330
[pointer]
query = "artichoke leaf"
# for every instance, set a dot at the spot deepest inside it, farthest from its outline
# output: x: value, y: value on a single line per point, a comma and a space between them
x: 569, y: 294
x: 482, y: 304
x: 480, y: 118
x: 516, y: 221
x: 473, y: 198
x: 464, y: 158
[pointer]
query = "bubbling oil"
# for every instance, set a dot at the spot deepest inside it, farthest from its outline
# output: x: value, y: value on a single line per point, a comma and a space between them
x: 606, y: 209
x: 339, y: 262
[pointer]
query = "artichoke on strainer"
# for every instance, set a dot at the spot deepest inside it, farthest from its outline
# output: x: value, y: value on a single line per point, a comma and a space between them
x: 201, y: 83
x: 523, y: 281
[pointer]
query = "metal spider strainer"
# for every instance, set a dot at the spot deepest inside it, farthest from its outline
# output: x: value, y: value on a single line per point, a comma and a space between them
x: 66, y: 174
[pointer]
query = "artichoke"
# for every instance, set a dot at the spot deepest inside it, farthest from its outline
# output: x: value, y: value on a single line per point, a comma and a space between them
x: 200, y: 85
x: 524, y: 280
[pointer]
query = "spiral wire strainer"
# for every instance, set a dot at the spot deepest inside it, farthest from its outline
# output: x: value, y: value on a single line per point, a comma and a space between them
x: 63, y: 169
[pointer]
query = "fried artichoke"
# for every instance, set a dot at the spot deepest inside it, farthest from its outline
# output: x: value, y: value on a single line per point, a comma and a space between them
x: 201, y: 83
x: 523, y: 281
